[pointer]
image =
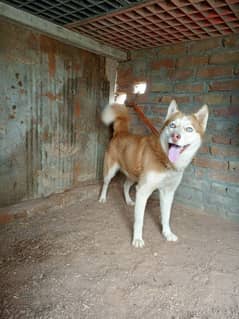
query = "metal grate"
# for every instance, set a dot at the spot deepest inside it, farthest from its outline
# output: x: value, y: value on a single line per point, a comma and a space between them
x: 135, y: 24
x: 67, y: 11
x: 155, y: 23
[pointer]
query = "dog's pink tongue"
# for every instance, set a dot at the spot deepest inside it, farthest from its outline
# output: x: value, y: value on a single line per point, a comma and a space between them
x: 173, y: 153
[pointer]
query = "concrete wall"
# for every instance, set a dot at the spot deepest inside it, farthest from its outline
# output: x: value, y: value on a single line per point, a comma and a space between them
x: 51, y: 94
x: 195, y: 73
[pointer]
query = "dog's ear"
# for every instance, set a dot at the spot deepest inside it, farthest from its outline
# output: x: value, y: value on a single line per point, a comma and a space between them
x: 202, y: 116
x: 173, y: 108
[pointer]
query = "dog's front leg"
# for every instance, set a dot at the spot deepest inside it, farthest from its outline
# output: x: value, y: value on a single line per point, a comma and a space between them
x: 166, y: 200
x: 142, y: 195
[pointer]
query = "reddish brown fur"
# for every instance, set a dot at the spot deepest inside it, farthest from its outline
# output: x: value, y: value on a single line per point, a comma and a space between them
x: 134, y: 153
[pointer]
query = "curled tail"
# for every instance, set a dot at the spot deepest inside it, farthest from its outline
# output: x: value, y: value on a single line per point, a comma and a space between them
x: 117, y: 114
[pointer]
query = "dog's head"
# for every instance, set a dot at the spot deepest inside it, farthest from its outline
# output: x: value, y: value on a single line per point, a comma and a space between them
x: 181, y: 135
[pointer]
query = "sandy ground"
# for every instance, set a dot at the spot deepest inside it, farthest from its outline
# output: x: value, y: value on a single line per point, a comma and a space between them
x: 78, y: 262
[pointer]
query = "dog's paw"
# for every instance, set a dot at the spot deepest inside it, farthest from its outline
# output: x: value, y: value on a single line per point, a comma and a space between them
x: 169, y: 236
x: 130, y: 203
x: 138, y: 243
x: 102, y: 200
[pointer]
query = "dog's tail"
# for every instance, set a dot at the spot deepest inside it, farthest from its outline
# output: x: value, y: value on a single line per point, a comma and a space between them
x: 117, y: 114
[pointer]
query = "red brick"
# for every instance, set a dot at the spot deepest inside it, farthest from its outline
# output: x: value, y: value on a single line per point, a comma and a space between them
x: 207, y: 139
x: 215, y: 71
x: 182, y: 74
x: 192, y: 61
x: 125, y: 70
x: 213, y: 99
x: 201, y: 172
x: 22, y: 214
x: 231, y: 41
x: 125, y: 77
x: 166, y: 99
x: 224, y: 151
x: 195, y: 88
x: 142, y: 98
x: 6, y: 218
x: 205, y: 45
x: 221, y: 139
x: 163, y: 63
x: 145, y: 108
x: 158, y: 110
x: 224, y: 58
x: 236, y: 71
x: 226, y: 111
x: 158, y: 121
x: 210, y: 163
x: 235, y: 100
x: 235, y: 141
x: 232, y: 85
x: 161, y: 87
x: 226, y: 177
x: 234, y: 165
x: 182, y: 99
x: 179, y: 99
x: 204, y: 149
x: 173, y: 49
x: 165, y: 74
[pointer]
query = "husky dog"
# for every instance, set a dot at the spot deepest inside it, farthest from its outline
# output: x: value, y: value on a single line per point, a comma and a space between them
x: 153, y: 162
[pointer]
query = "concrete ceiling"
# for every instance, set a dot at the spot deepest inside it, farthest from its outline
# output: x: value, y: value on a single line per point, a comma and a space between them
x: 130, y: 24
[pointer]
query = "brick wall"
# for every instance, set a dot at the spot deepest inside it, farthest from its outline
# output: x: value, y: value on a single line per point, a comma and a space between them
x: 195, y: 73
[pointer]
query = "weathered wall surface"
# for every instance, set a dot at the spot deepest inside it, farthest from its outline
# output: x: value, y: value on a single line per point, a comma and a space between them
x: 195, y: 73
x: 50, y: 100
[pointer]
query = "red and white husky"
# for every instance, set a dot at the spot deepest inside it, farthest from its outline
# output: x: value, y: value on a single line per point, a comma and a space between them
x: 153, y: 162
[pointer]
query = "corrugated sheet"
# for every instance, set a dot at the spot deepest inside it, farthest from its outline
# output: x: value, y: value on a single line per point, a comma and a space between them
x: 50, y: 94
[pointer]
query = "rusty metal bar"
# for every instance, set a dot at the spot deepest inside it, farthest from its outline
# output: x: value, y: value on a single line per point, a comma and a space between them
x: 144, y: 118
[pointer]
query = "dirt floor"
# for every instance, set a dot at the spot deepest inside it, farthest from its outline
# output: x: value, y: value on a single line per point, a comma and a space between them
x: 78, y: 262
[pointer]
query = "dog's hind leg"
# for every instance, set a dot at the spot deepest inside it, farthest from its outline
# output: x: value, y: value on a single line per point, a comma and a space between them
x: 110, y: 169
x: 127, y: 184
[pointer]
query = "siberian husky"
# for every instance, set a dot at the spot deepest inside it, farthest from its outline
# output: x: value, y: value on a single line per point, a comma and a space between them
x: 153, y: 162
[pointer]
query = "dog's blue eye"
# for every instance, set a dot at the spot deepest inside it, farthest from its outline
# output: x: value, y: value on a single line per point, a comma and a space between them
x: 189, y: 129
x: 172, y: 125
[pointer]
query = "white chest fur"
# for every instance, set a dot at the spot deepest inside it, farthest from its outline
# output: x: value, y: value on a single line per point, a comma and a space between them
x: 165, y: 180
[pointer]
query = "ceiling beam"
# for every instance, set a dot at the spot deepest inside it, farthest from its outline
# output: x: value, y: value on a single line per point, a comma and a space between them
x: 60, y: 33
